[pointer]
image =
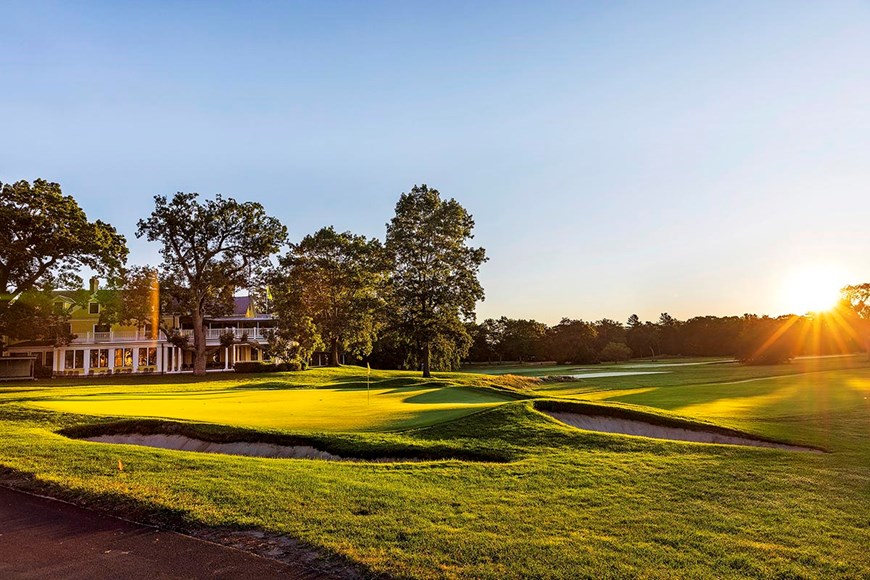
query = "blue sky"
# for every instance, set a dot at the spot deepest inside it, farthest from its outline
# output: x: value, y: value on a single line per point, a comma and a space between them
x: 618, y: 157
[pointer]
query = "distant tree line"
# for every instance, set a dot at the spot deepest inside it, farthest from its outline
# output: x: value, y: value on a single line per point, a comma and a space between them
x: 751, y: 338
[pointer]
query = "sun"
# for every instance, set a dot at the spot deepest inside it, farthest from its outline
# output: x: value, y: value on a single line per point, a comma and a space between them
x: 814, y: 289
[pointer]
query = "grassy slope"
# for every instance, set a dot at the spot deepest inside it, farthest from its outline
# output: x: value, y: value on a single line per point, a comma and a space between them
x: 571, y: 504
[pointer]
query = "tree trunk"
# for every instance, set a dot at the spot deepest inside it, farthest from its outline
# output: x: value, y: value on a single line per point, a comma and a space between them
x: 334, y: 354
x: 199, y: 347
x: 427, y: 356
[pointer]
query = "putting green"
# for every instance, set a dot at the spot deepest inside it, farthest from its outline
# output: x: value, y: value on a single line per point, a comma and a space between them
x: 350, y: 408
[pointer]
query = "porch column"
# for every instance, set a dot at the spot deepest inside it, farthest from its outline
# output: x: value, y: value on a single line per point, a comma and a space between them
x: 135, y: 359
x: 57, y: 357
x: 159, y: 359
x: 226, y: 358
x: 87, y: 361
x: 111, y: 360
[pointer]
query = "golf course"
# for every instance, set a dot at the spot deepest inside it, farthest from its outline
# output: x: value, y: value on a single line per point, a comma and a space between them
x: 470, y: 474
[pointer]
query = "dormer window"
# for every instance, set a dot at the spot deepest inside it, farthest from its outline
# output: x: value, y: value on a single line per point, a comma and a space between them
x: 94, y: 308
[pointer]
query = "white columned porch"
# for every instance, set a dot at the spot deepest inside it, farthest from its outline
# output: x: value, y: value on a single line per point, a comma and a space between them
x: 57, y: 360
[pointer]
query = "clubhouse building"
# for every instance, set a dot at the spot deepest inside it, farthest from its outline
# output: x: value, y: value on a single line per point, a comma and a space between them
x: 100, y: 349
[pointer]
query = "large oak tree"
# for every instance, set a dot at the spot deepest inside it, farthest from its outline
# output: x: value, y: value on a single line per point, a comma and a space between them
x: 434, y: 285
x: 45, y: 240
x: 209, y: 249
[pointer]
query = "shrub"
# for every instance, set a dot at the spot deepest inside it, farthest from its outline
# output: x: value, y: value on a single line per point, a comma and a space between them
x: 615, y: 351
x: 293, y: 365
x: 255, y: 367
x: 42, y: 372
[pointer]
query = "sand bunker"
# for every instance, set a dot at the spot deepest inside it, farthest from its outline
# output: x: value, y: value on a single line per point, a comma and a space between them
x: 633, y: 427
x: 249, y: 449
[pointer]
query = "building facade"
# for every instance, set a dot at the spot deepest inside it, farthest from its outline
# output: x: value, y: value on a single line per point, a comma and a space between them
x: 100, y: 349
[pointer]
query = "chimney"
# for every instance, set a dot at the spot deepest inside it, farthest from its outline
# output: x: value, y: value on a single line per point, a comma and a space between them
x: 95, y: 284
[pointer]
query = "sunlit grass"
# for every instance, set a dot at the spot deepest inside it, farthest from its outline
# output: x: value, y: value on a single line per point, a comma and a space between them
x: 349, y: 408
x: 568, y: 504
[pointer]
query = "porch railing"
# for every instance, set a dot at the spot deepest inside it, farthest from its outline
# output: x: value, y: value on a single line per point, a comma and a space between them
x: 211, y: 334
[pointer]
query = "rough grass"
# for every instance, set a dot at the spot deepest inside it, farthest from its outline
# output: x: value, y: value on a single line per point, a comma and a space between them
x: 563, y: 503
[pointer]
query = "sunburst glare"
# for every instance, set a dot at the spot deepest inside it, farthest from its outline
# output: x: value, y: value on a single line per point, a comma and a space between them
x: 812, y: 289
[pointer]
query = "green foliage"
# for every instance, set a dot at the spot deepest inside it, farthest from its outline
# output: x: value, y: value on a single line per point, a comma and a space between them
x: 332, y: 281
x: 607, y: 331
x: 615, y: 351
x: 643, y: 339
x: 434, y: 286
x: 133, y: 298
x: 295, y: 340
x: 255, y: 367
x: 572, y: 341
x: 209, y: 250
x: 853, y: 312
x: 35, y: 316
x: 45, y: 240
x: 768, y: 341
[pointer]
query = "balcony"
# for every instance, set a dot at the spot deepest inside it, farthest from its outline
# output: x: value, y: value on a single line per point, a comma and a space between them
x: 211, y: 335
x: 252, y: 333
x: 113, y: 336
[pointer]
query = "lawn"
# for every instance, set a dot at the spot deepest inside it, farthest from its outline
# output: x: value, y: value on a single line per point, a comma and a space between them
x: 350, y: 408
x: 554, y: 502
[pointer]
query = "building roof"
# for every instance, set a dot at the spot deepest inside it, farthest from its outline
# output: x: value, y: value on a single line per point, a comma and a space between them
x: 244, y: 308
x: 26, y: 343
x: 241, y: 304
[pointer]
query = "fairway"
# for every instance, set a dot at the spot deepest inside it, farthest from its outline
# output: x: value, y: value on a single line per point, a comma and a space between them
x: 505, y: 491
x: 349, y: 408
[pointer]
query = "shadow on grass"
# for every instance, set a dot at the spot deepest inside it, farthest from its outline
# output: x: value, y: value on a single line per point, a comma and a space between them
x: 326, y: 563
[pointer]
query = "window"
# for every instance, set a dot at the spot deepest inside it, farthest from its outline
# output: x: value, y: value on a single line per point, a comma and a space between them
x: 101, y: 328
x: 99, y: 358
x: 255, y: 354
x: 148, y: 357
x: 123, y: 357
x: 74, y: 359
x: 93, y: 308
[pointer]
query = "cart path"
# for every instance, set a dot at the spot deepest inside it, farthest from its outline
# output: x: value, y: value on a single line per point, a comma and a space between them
x: 43, y: 538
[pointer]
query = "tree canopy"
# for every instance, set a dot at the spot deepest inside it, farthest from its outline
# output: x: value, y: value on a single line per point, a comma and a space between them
x: 45, y: 240
x: 434, y: 285
x: 209, y: 249
x: 133, y: 298
x: 334, y: 280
